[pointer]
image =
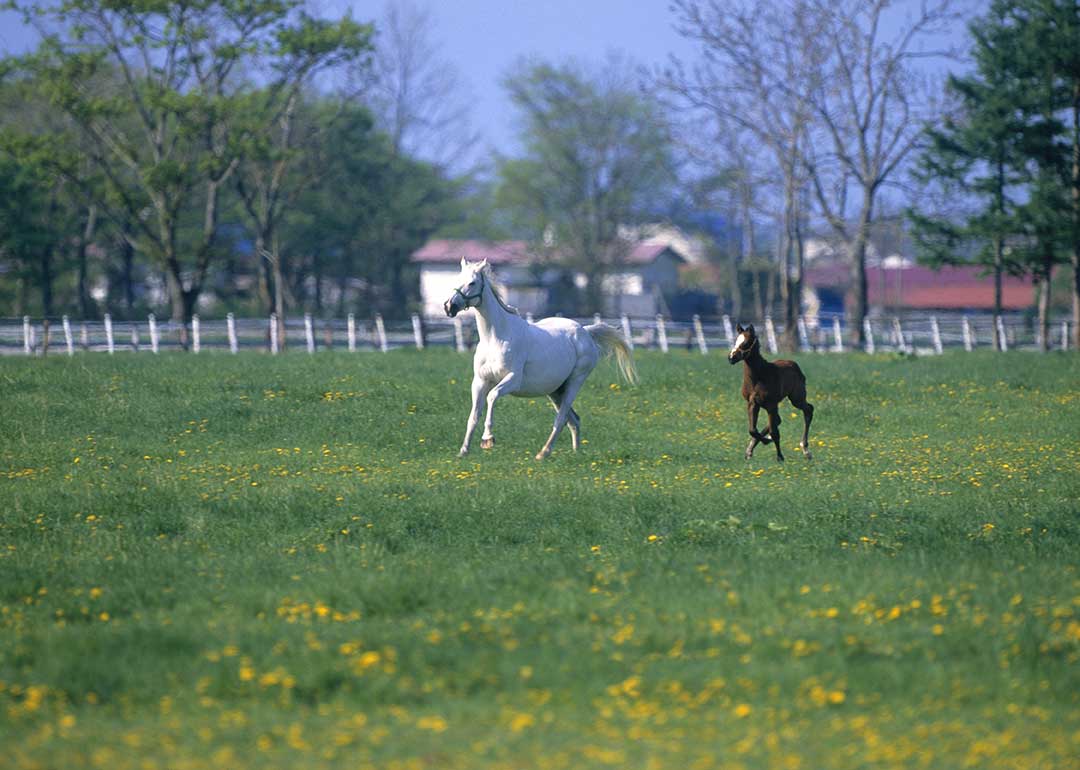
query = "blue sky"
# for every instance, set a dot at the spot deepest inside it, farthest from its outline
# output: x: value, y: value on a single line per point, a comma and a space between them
x: 483, y: 39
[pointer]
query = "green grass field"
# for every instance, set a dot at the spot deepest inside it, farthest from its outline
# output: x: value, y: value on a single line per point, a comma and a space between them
x: 264, y: 562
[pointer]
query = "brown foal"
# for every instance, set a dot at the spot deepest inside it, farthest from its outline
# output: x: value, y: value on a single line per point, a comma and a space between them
x: 765, y: 384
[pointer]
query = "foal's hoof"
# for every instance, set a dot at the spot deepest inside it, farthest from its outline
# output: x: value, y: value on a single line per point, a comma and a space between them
x: 779, y: 458
x: 540, y: 455
x: 487, y: 443
x: 463, y: 451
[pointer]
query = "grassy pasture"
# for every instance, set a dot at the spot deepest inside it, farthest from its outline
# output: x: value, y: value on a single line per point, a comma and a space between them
x: 250, y: 561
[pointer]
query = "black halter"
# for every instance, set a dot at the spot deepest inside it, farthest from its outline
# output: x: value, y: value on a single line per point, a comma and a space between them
x: 478, y: 296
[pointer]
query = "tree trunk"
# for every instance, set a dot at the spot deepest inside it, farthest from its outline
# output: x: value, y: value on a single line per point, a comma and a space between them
x: 1045, y: 275
x: 859, y: 300
x: 127, y: 278
x: 1075, y: 180
x: 85, y: 307
x: 999, y: 344
x: 46, y: 281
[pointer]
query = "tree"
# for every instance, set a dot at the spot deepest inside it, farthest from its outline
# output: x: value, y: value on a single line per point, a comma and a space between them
x: 751, y: 79
x: 596, y: 155
x: 150, y: 86
x: 275, y: 132
x: 1053, y: 43
x: 868, y: 117
x: 979, y: 154
x: 418, y: 97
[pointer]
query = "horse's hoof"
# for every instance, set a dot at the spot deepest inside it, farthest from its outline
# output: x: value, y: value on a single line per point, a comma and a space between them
x: 779, y: 458
x: 462, y: 452
x: 540, y: 455
x: 487, y: 443
x: 748, y: 456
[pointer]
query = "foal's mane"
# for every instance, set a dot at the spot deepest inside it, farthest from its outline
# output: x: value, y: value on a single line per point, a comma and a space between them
x: 496, y: 290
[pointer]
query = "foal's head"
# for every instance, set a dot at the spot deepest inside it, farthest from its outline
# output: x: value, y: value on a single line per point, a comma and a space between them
x: 746, y: 340
x: 470, y: 289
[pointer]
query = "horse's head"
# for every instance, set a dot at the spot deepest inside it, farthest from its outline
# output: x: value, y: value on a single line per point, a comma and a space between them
x: 470, y: 288
x: 745, y: 342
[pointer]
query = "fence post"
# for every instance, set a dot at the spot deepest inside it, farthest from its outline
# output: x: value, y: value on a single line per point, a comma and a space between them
x: 965, y: 328
x: 45, y: 336
x: 274, y: 347
x: 661, y: 332
x: 309, y: 334
x: 699, y: 332
x: 28, y: 343
x: 935, y: 334
x: 417, y: 332
x: 804, y: 338
x: 898, y: 331
x: 528, y: 317
x: 152, y: 323
x: 729, y: 334
x: 195, y: 333
x: 135, y: 338
x: 459, y: 335
x: 67, y: 336
x: 1001, y: 335
x: 770, y: 334
x: 1064, y: 335
x: 596, y: 319
x: 380, y: 330
x: 230, y: 325
x: 838, y: 337
x: 868, y: 336
x: 351, y: 331
x: 108, y: 334
x: 84, y: 336
x: 627, y: 333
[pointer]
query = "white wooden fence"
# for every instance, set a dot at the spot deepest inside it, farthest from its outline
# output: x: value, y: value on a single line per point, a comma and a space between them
x: 918, y: 334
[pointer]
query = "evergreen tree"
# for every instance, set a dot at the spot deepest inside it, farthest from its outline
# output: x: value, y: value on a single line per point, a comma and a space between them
x: 979, y: 153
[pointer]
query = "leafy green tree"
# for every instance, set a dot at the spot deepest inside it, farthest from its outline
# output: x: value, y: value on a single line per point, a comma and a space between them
x: 596, y: 157
x: 151, y: 86
x: 979, y: 154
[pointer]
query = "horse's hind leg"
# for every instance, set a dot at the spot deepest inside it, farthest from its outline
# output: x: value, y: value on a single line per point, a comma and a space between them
x: 565, y: 395
x: 799, y: 402
x: 573, y: 422
x: 774, y: 431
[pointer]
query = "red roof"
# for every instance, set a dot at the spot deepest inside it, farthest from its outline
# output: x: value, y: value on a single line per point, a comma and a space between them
x: 449, y: 251
x: 646, y: 252
x: 950, y: 287
x: 445, y: 251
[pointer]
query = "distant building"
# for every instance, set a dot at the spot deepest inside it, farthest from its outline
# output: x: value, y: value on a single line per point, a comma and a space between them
x: 895, y: 283
x: 648, y: 275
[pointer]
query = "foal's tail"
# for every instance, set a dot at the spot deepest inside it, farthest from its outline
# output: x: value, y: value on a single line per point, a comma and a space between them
x: 610, y: 341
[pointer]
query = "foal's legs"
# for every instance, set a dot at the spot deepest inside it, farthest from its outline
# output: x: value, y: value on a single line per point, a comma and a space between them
x: 799, y: 401
x: 774, y: 431
x: 569, y: 392
x: 752, y: 410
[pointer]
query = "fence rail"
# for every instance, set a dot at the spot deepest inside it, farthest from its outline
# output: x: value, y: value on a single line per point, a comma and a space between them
x: 917, y: 334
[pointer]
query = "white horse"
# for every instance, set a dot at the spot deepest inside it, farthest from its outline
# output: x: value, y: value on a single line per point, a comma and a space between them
x: 514, y: 357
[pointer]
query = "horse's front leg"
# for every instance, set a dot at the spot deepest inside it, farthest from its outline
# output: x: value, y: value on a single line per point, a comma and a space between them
x: 507, y: 384
x: 479, y: 390
x: 752, y: 410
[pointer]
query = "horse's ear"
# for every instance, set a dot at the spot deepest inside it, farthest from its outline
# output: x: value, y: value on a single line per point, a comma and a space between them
x: 464, y: 263
x: 739, y: 329
x: 750, y: 329
x: 482, y: 265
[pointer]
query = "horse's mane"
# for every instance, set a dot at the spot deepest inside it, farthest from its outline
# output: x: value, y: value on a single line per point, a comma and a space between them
x: 496, y: 290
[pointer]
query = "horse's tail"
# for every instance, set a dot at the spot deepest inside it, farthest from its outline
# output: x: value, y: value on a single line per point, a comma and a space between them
x: 610, y: 341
